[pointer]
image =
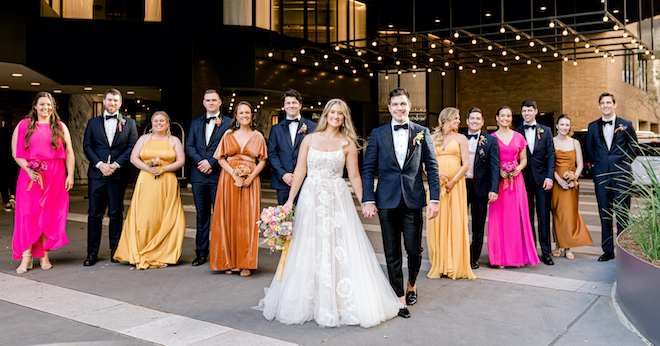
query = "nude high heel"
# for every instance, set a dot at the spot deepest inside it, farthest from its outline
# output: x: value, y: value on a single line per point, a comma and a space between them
x: 45, y: 266
x: 29, y: 266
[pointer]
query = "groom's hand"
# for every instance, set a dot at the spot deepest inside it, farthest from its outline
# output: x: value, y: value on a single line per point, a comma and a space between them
x: 369, y: 209
x: 432, y: 210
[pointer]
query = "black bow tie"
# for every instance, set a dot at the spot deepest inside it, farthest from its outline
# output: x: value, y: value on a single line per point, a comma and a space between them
x: 469, y: 136
x: 529, y: 126
x: 209, y: 119
x: 398, y: 127
x: 606, y: 122
x: 289, y: 121
x: 110, y: 116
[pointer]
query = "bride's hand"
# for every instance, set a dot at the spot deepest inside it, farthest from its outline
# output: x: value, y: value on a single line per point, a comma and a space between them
x: 289, y: 204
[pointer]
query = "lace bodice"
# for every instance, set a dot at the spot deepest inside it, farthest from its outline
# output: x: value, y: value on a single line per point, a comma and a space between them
x: 325, y: 164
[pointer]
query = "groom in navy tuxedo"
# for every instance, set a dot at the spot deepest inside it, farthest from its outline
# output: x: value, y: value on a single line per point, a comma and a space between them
x: 482, y: 179
x: 202, y: 141
x: 611, y: 144
x: 284, y: 142
x: 108, y: 142
x: 399, y: 151
x: 539, y: 174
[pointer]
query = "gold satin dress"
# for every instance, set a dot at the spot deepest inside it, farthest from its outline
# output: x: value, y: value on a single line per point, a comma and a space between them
x: 155, y: 225
x: 569, y: 227
x: 447, y: 235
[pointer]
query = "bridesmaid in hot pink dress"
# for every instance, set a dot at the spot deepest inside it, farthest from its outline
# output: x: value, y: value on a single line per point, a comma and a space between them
x: 510, y: 238
x: 40, y: 220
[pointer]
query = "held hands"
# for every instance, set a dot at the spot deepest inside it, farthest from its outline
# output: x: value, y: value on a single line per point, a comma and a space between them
x: 107, y: 169
x: 158, y: 170
x: 248, y: 181
x: 288, y: 178
x: 205, y: 167
x: 432, y: 210
x: 369, y: 210
x: 515, y: 172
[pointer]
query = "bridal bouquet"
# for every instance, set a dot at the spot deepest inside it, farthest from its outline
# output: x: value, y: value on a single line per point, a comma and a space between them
x: 276, y: 224
x: 509, y: 167
x: 37, y: 166
x: 242, y: 172
x: 155, y: 162
x: 570, y: 177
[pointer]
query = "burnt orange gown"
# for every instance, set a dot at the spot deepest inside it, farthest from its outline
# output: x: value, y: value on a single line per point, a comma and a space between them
x: 234, y: 233
x: 568, y: 224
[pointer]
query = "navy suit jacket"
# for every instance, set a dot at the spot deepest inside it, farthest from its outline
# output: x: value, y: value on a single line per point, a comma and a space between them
x: 282, y: 154
x: 486, y: 165
x: 622, y: 152
x: 541, y: 164
x: 97, y: 148
x: 197, y: 149
x: 394, y: 182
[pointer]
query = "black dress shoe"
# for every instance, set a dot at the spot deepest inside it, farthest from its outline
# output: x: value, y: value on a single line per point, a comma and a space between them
x: 405, y: 313
x: 199, y: 260
x: 91, y: 259
x: 112, y: 257
x: 411, y: 298
x: 545, y: 258
x: 606, y: 257
x: 474, y: 265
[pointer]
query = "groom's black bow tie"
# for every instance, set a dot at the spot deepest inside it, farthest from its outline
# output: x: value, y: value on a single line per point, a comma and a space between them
x: 398, y: 127
x: 110, y: 116
x: 209, y: 119
x: 471, y: 136
x: 606, y: 122
x: 289, y: 121
x: 529, y: 126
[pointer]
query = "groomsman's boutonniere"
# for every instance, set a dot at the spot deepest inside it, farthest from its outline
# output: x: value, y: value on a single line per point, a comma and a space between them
x: 218, y: 121
x: 482, y: 140
x: 539, y: 131
x: 303, y: 129
x: 621, y: 128
x: 419, y: 138
x: 121, y: 121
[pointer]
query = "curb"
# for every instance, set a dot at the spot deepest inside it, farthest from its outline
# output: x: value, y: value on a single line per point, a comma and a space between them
x: 622, y: 317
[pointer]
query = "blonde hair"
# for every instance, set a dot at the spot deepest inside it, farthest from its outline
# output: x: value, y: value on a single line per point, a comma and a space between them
x: 445, y: 115
x: 347, y: 128
x: 167, y: 117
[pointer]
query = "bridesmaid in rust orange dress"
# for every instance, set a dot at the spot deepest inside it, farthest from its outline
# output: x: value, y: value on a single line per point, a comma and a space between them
x: 570, y: 229
x: 242, y: 155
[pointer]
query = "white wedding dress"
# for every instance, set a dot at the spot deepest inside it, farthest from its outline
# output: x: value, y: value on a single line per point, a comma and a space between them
x: 331, y: 273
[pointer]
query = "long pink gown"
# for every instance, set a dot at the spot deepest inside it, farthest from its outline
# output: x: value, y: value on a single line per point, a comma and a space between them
x: 40, y: 211
x: 510, y: 238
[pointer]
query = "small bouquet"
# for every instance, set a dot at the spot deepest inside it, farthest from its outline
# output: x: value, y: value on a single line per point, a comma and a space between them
x: 444, y: 180
x: 509, y: 167
x: 37, y: 166
x: 276, y: 224
x: 155, y: 162
x: 570, y: 177
x: 242, y: 172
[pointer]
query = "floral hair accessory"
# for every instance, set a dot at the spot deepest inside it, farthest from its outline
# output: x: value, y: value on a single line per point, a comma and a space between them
x: 303, y: 129
x: 121, y: 121
x: 621, y: 127
x: 418, y: 138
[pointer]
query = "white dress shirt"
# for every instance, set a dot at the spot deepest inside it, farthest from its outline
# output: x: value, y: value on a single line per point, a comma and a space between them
x: 608, y: 131
x: 530, y: 136
x: 110, y: 126
x: 400, y: 140
x: 208, y: 127
x: 293, y: 128
x: 472, y: 148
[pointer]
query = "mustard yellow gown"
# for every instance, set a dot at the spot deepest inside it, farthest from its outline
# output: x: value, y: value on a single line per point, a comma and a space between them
x: 447, y: 235
x: 155, y: 225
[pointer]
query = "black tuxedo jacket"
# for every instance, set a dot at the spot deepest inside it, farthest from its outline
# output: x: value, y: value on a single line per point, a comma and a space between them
x: 486, y: 165
x: 197, y: 149
x: 541, y: 164
x: 282, y: 154
x: 97, y: 148
x: 617, y: 159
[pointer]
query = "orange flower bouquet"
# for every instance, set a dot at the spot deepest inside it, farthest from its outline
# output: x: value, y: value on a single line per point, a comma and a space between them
x: 242, y: 172
x: 444, y: 181
x: 155, y: 162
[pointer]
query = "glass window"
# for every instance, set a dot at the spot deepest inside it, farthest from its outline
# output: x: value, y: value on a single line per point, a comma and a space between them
x: 641, y: 72
x: 294, y: 18
x: 237, y: 12
x: 124, y: 10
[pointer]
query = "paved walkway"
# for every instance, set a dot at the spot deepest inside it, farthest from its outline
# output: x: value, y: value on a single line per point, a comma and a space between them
x: 113, y: 304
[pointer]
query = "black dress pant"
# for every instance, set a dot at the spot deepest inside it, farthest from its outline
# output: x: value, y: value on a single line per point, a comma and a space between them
x: 478, y: 210
x: 608, y: 194
x: 104, y: 193
x: 394, y: 223
x: 204, y: 196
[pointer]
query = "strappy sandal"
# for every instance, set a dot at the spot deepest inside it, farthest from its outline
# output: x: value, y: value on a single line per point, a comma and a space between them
x: 245, y: 272
x: 557, y: 252
x: 29, y: 266
x: 569, y: 254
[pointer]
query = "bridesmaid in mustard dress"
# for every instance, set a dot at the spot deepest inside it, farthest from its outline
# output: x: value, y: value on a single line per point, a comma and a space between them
x: 447, y: 235
x: 570, y: 229
x: 242, y: 155
x: 155, y: 225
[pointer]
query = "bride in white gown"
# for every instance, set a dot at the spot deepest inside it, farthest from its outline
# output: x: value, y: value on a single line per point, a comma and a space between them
x: 331, y: 273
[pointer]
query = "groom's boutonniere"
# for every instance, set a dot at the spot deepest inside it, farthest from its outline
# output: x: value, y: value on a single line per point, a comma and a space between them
x: 482, y: 140
x: 539, y: 131
x: 121, y: 121
x: 303, y: 129
x: 418, y: 138
x: 218, y: 121
x: 621, y: 128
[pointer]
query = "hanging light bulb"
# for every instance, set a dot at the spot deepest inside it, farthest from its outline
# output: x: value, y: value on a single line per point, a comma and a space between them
x: 414, y: 39
x: 433, y: 45
x: 502, y: 30
x: 625, y: 34
x: 294, y: 59
x: 555, y: 54
x: 270, y: 54
x: 451, y: 51
x: 414, y: 75
x: 605, y: 19
x: 371, y: 74
x: 366, y: 65
x: 474, y: 41
x: 517, y: 57
x: 505, y: 68
x: 414, y: 55
x: 539, y: 66
x: 503, y: 53
x: 565, y: 32
x: 616, y: 27
x: 443, y: 73
x: 374, y: 43
x: 460, y: 68
x: 302, y: 51
x: 399, y: 72
x: 518, y: 37
x: 490, y: 47
x: 597, y: 51
x: 447, y: 63
x: 379, y: 58
x: 316, y: 63
x: 456, y: 34
x: 481, y: 60
x: 325, y: 56
x: 474, y: 70
x: 493, y: 65
x: 336, y: 67
x: 429, y: 70
x: 529, y: 62
x: 354, y: 71
x: 359, y: 53
x: 414, y: 67
x: 337, y: 48
x: 551, y: 24
x: 398, y: 62
x: 544, y: 49
x: 346, y: 61
x: 431, y: 59
x: 531, y: 43
x: 587, y: 45
x: 387, y: 77
x: 395, y: 49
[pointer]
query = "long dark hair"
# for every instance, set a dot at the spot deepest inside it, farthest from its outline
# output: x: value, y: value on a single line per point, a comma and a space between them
x: 55, y: 128
x: 235, y: 125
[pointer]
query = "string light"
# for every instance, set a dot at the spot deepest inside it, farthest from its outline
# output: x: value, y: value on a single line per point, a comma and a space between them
x: 302, y: 51
x: 414, y: 75
x: 551, y: 24
x: 379, y: 58
x: 529, y: 62
x: 414, y: 39
x: 587, y: 45
x: 399, y: 72
x: 456, y: 34
x: 575, y: 63
x: 414, y: 55
x: 325, y: 56
x: 490, y: 47
x: 493, y: 65
x: 433, y: 45
x: 505, y: 68
x: 460, y: 68
x: 544, y: 49
x: 414, y: 67
x: 366, y: 65
x: 577, y: 39
x: 539, y: 66
x: 316, y: 63
x: 474, y: 41
x: 431, y: 59
x: 517, y: 57
x: 481, y: 60
x: 474, y: 70
x: 451, y: 51
x: 336, y: 68
x: 294, y: 59
x: 447, y: 63
x: 398, y: 62
x: 354, y: 71
x: 565, y: 32
x: 531, y: 43
x: 359, y: 53
x: 555, y: 54
x: 371, y: 74
x: 616, y: 27
x: 346, y: 61
x: 337, y: 48
x: 518, y: 37
x: 429, y: 70
x: 502, y: 30
x: 374, y: 43
x: 443, y: 73
x: 395, y: 49
x: 503, y: 53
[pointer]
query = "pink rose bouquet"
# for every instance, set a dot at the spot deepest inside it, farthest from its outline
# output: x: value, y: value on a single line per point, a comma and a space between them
x: 37, y: 166
x: 509, y: 167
